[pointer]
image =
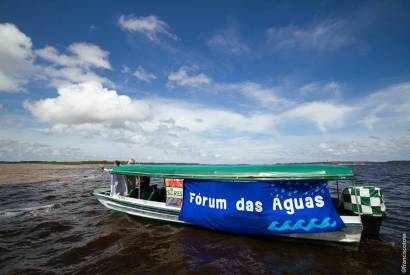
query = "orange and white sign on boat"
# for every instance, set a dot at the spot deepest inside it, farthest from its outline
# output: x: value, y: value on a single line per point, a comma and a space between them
x: 175, y: 191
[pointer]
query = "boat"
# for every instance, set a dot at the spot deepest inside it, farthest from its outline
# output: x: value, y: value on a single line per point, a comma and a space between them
x: 293, y: 202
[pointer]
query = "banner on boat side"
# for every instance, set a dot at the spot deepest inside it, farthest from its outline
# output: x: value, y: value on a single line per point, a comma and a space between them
x: 267, y: 208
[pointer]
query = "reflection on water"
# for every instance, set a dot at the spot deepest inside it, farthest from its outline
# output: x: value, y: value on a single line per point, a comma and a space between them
x: 56, y: 227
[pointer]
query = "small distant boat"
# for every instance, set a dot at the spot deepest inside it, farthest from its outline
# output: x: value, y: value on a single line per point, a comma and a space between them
x: 301, y: 202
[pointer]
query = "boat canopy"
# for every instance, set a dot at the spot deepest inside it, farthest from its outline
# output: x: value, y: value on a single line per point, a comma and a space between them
x: 239, y: 172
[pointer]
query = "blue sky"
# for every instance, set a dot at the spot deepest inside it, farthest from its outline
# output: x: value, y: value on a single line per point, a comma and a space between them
x: 209, y: 82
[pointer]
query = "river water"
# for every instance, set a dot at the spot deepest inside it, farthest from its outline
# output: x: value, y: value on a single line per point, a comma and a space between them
x: 59, y: 227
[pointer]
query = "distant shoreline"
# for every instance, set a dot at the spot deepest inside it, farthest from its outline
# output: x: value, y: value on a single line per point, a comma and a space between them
x: 23, y: 172
x: 12, y: 173
x: 59, y: 162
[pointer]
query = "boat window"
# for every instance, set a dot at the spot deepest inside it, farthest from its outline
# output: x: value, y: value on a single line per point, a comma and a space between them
x: 147, y: 188
x: 336, y: 188
x: 118, y: 185
x: 131, y: 183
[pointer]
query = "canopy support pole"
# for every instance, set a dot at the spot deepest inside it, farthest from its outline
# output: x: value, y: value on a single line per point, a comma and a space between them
x: 337, y: 190
x: 357, y: 201
x: 139, y: 187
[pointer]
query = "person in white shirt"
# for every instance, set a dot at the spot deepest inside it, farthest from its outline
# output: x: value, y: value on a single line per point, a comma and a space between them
x: 118, y: 184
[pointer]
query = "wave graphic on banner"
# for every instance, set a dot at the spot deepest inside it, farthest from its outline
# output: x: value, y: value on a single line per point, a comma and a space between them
x: 287, y: 225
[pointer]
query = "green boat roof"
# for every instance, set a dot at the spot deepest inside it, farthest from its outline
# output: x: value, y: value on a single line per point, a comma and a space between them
x: 239, y: 172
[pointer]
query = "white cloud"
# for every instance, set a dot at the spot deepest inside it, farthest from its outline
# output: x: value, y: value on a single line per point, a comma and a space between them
x: 143, y: 75
x: 69, y: 75
x: 9, y: 83
x: 151, y: 26
x: 87, y: 103
x: 15, y: 44
x: 12, y: 150
x: 228, y: 40
x: 330, y: 89
x: 125, y: 69
x: 325, y: 36
x: 370, y: 120
x: 90, y: 55
x: 16, y: 58
x: 169, y: 130
x: 84, y: 55
x: 202, y: 119
x: 51, y: 54
x: 168, y: 126
x: 267, y: 97
x: 88, y: 107
x: 76, y: 67
x: 323, y: 115
x: 368, y: 147
x: 185, y: 76
x: 387, y: 107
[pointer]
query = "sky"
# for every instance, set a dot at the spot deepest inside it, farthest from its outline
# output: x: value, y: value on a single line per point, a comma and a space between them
x: 205, y: 81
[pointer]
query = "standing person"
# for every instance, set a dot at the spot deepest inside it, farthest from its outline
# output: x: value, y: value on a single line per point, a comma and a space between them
x: 131, y: 180
x: 118, y: 183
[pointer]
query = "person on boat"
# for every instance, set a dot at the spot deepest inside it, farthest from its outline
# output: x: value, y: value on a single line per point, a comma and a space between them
x: 118, y: 183
x: 131, y: 180
x: 145, y: 188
